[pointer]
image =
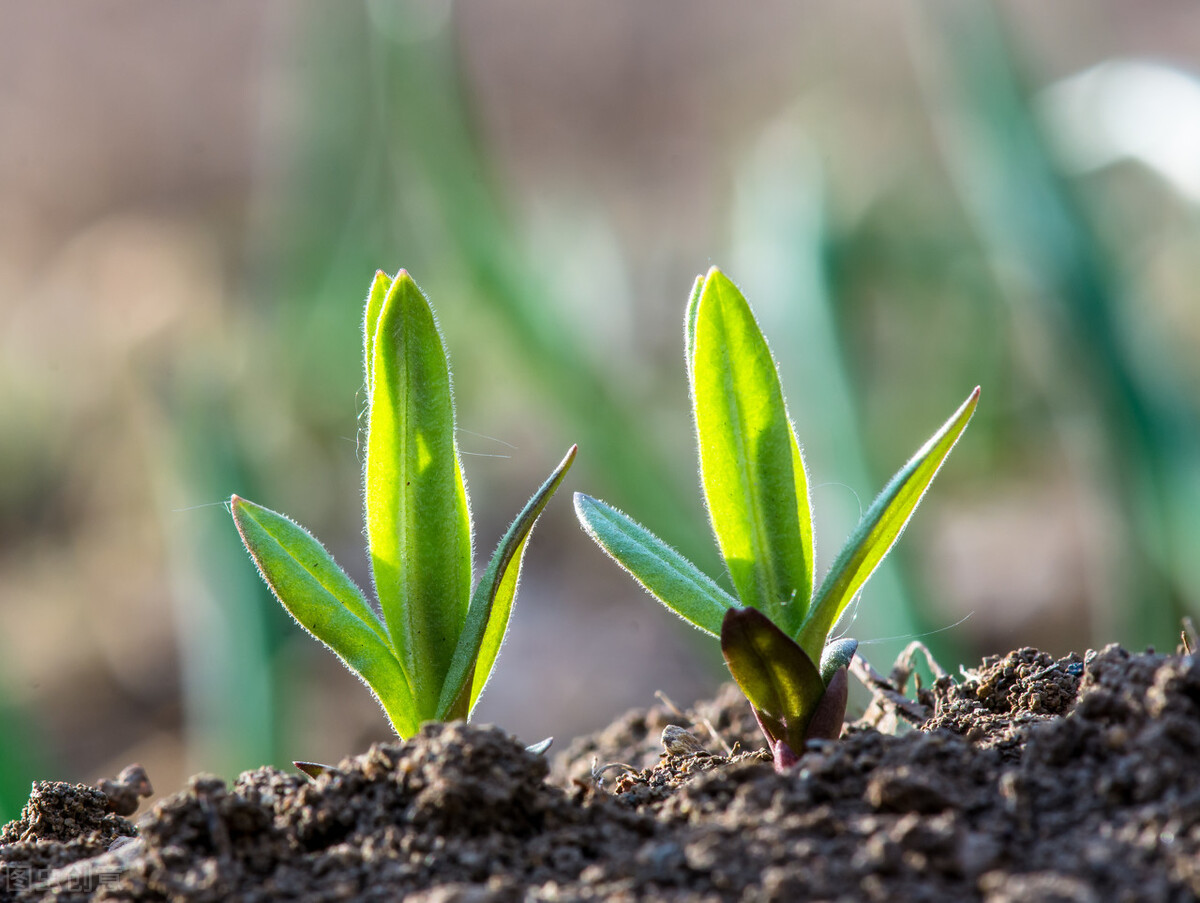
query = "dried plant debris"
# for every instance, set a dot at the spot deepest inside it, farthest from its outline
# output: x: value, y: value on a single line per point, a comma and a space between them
x: 1035, y: 779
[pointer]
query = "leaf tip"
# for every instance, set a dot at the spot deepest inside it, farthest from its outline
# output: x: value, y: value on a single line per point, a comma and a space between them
x: 967, y: 410
x: 313, y: 770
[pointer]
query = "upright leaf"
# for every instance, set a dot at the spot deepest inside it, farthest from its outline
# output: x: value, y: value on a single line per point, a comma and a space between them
x: 670, y: 578
x: 689, y: 327
x: 750, y: 462
x: 375, y: 298
x: 879, y: 528
x: 281, y: 546
x: 491, y: 605
x: 418, y: 525
x: 326, y: 603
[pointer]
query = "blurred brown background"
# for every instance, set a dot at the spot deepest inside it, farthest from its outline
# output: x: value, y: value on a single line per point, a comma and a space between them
x: 916, y: 198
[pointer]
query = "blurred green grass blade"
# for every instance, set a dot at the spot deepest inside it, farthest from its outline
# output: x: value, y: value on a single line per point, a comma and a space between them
x: 301, y: 575
x: 491, y: 605
x: 666, y: 574
x: 1034, y: 224
x: 432, y: 118
x: 228, y: 626
x: 23, y: 759
x: 879, y: 528
x: 391, y: 169
x: 773, y: 672
x: 418, y: 525
x: 287, y: 555
x: 750, y: 463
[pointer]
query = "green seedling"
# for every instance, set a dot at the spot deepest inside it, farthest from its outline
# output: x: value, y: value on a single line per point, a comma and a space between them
x: 430, y: 654
x: 774, y: 629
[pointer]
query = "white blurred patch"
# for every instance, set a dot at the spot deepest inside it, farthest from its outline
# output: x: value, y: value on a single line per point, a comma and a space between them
x: 1128, y: 110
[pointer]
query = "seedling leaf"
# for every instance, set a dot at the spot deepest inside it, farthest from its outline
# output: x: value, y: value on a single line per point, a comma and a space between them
x: 374, y: 306
x: 830, y: 713
x: 879, y: 528
x: 777, y: 676
x: 281, y: 547
x: 491, y: 605
x: 325, y: 602
x: 418, y: 525
x: 689, y: 327
x: 666, y: 574
x: 750, y: 462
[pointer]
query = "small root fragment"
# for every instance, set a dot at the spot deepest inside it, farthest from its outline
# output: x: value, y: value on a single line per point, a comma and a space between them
x: 889, y: 704
x: 1189, y: 641
x: 886, y: 699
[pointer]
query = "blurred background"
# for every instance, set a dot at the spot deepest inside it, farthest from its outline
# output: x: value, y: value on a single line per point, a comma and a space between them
x: 916, y: 198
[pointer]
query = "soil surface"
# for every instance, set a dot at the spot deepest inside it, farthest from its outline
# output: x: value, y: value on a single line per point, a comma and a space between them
x: 1029, y: 779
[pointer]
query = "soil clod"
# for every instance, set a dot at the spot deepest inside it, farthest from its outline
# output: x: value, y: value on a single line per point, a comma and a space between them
x: 1034, y: 778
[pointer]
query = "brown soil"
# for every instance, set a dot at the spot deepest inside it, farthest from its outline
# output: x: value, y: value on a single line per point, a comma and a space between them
x: 1032, y: 780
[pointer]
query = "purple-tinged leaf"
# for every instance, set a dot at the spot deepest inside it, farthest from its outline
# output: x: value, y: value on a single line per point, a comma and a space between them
x: 777, y: 676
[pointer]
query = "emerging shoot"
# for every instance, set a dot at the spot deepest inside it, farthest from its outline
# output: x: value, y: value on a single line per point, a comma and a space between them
x: 775, y: 630
x: 429, y: 652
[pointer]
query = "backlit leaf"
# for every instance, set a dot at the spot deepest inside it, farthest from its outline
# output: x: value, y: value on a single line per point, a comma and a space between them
x: 750, y: 462
x: 669, y: 577
x: 773, y: 672
x: 375, y: 298
x: 326, y: 603
x: 418, y: 525
x: 491, y: 605
x: 879, y: 528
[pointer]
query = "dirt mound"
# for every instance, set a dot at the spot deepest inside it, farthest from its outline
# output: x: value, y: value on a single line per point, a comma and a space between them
x: 1033, y: 779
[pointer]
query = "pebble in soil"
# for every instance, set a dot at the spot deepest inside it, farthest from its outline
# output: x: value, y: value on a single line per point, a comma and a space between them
x: 1035, y: 779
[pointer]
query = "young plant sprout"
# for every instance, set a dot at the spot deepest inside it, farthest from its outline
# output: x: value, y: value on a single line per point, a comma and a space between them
x: 430, y: 654
x: 775, y: 631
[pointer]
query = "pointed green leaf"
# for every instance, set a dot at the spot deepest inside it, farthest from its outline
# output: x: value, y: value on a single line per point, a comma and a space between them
x: 418, y: 524
x: 326, y: 603
x: 879, y: 528
x: 670, y: 578
x: 774, y: 673
x: 750, y: 463
x: 689, y: 327
x: 491, y: 605
x: 375, y: 298
x: 274, y: 533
